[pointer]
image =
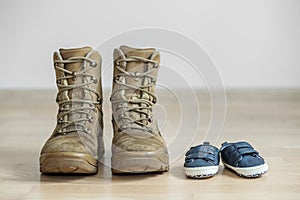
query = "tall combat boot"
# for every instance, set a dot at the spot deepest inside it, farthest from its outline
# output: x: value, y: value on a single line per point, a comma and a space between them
x: 137, y: 145
x: 76, y: 143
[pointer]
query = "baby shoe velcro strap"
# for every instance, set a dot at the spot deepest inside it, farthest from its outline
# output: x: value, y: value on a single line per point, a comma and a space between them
x: 237, y: 155
x: 242, y: 145
x: 202, y: 148
x: 201, y: 155
x: 234, y: 158
x: 244, y: 148
x: 244, y: 151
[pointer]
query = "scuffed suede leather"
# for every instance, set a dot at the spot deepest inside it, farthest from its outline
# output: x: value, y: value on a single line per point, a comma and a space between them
x: 80, y: 141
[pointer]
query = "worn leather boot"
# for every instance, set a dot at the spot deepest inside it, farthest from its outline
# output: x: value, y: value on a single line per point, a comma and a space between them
x: 137, y: 145
x: 76, y: 143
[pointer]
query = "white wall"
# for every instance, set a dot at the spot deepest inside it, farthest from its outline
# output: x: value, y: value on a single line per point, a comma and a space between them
x: 254, y: 43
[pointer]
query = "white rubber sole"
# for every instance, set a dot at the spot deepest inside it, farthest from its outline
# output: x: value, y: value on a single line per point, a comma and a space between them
x: 249, y: 172
x: 201, y: 172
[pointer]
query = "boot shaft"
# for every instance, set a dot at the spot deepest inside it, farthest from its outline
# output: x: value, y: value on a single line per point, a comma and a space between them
x: 133, y: 94
x: 136, y: 62
x: 79, y: 96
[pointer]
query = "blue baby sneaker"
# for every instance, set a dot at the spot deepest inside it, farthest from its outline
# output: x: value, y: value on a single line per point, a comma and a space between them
x: 202, y: 161
x: 241, y: 158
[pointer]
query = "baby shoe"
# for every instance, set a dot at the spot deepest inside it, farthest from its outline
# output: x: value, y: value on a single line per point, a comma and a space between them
x: 202, y: 161
x: 241, y: 158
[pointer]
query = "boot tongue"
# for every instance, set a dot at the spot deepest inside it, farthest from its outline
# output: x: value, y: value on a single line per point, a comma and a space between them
x: 75, y: 67
x: 77, y: 93
x: 77, y: 52
x: 137, y: 67
x: 144, y: 53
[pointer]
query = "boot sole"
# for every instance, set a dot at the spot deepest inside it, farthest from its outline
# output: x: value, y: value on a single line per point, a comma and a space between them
x: 68, y: 163
x: 139, y: 162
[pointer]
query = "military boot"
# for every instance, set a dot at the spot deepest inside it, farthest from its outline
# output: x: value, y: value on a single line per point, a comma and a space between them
x: 76, y: 143
x: 137, y: 145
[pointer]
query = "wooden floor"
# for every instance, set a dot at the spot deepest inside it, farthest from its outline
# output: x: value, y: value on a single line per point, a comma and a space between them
x: 268, y: 119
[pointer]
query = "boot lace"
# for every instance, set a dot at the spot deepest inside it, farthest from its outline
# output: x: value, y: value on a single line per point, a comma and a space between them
x: 143, y: 106
x: 76, y: 107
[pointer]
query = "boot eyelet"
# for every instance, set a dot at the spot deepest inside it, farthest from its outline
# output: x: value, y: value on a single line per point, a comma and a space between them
x: 74, y: 74
x: 93, y: 64
x: 118, y: 63
x: 87, y: 130
x: 94, y: 79
x: 117, y: 78
x: 136, y: 76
